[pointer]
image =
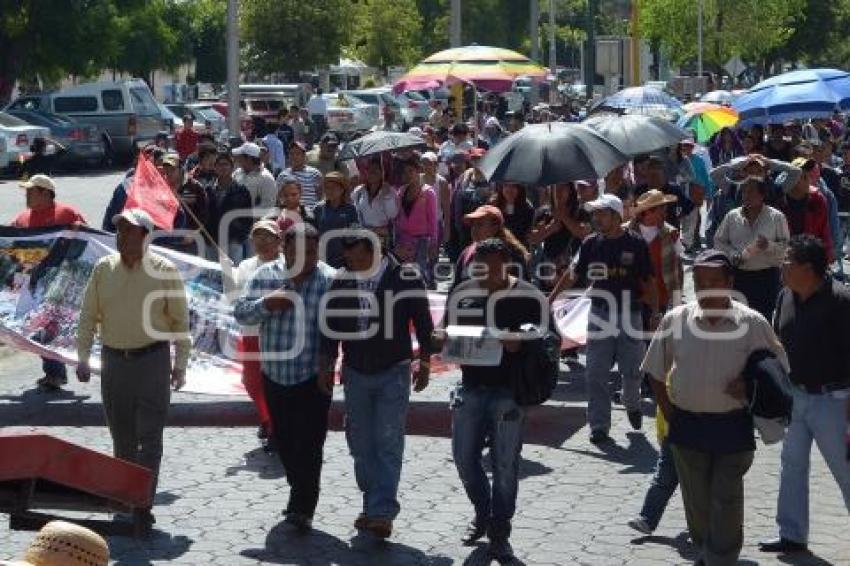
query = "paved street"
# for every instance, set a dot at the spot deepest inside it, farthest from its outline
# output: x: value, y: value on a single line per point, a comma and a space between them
x: 220, y: 497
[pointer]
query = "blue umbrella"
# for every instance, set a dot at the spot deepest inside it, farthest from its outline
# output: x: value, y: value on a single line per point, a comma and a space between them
x: 810, y: 93
x: 643, y: 100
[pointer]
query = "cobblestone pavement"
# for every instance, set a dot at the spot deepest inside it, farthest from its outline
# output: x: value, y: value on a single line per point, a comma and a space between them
x: 220, y: 497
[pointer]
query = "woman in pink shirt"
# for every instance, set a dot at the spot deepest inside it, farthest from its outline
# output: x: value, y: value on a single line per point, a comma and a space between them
x: 417, y: 224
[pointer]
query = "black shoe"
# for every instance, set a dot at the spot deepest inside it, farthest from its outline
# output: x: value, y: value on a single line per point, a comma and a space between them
x: 50, y: 384
x: 262, y: 432
x: 500, y: 549
x: 301, y: 523
x: 782, y: 546
x: 636, y: 419
x: 599, y: 437
x: 269, y: 445
x: 474, y: 531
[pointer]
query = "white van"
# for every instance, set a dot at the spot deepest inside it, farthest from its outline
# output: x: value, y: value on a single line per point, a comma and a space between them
x: 125, y: 109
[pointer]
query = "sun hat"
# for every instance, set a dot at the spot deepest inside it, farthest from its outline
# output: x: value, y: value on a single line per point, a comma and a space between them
x: 60, y: 543
x: 651, y: 199
x: 485, y: 211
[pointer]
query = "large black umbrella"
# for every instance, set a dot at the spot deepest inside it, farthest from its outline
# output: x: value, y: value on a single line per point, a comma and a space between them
x: 379, y: 142
x: 557, y: 152
x: 635, y: 134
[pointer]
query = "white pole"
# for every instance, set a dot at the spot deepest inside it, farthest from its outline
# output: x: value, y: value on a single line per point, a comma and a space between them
x: 699, y: 42
x: 233, y: 109
x: 552, y: 46
x: 455, y: 23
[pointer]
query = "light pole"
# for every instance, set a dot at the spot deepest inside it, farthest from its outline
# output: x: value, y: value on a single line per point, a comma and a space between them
x: 534, y: 29
x: 552, y: 46
x: 233, y: 124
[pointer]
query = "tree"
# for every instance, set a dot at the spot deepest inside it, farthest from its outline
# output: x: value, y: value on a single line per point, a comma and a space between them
x: 209, y: 46
x: 39, y: 41
x: 387, y: 32
x: 293, y: 35
x: 749, y: 28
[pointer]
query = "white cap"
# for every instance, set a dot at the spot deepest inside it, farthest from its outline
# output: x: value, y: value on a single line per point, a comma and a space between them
x: 606, y: 201
x: 136, y: 217
x: 40, y: 181
x: 492, y: 122
x: 415, y: 131
x: 429, y: 156
x: 248, y: 148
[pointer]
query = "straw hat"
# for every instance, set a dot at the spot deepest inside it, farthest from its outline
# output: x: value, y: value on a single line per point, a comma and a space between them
x: 65, y: 544
x: 651, y: 199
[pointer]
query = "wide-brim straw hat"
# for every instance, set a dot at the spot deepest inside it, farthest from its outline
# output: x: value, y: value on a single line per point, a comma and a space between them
x: 650, y: 199
x: 60, y: 543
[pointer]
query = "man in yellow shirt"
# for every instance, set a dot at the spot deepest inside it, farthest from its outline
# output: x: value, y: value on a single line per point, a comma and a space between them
x: 138, y: 300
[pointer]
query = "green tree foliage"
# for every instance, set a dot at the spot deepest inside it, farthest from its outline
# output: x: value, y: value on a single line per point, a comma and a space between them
x: 387, y: 32
x: 293, y: 35
x: 749, y: 28
x: 819, y: 37
x: 209, y: 47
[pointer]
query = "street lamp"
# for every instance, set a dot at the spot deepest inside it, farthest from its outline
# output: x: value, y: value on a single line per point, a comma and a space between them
x: 699, y: 40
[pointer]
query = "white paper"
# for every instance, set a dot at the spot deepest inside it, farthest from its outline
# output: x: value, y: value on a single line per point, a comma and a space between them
x: 472, y: 346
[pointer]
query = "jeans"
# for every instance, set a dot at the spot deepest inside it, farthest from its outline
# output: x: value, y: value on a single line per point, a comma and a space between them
x: 54, y: 369
x: 661, y: 488
x: 822, y: 418
x: 299, y: 416
x: 479, y: 413
x: 602, y: 352
x: 375, y: 417
x: 713, y: 495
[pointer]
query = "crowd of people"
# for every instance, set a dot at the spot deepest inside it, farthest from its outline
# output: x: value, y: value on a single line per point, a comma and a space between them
x: 775, y: 206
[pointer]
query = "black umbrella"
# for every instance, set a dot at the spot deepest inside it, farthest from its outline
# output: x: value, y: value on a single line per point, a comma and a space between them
x: 379, y: 142
x: 557, y: 152
x: 635, y: 134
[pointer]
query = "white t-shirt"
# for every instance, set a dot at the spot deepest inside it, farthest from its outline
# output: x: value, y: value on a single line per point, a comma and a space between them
x: 261, y: 186
x: 317, y: 106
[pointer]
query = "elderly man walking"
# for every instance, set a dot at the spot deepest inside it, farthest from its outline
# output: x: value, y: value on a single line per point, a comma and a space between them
x: 137, y: 299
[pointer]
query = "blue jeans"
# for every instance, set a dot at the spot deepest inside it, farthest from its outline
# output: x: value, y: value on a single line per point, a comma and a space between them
x: 53, y: 369
x: 661, y: 488
x: 375, y: 417
x: 479, y: 413
x: 627, y: 351
x: 822, y: 418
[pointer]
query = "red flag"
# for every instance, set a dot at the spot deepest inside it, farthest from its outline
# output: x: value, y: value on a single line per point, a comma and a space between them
x: 150, y: 192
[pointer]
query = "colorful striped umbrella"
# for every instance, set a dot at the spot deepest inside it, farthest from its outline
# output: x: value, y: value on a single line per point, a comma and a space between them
x: 489, y: 68
x: 707, y: 119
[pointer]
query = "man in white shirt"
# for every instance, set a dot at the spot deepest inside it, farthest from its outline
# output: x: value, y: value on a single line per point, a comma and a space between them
x: 755, y: 237
x: 317, y: 106
x: 255, y: 177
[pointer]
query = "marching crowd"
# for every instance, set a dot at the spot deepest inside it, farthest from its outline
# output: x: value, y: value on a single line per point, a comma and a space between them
x: 775, y: 204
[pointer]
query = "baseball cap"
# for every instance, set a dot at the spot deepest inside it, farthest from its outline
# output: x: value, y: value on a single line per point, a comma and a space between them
x: 713, y: 258
x: 430, y: 156
x: 485, y: 211
x: 171, y: 159
x: 606, y: 202
x: 415, y: 131
x: 40, y: 181
x: 330, y: 138
x: 136, y: 217
x: 476, y: 153
x: 248, y: 148
x: 268, y: 225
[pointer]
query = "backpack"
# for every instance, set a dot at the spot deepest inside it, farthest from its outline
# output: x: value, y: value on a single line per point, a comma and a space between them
x: 536, y: 374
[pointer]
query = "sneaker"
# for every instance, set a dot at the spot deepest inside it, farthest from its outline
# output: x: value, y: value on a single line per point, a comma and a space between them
x: 640, y: 525
x: 636, y: 419
x: 500, y: 550
x: 599, y: 437
x: 474, y: 531
x: 782, y: 546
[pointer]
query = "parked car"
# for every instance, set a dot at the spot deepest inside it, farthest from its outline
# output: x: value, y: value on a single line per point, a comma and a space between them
x: 414, y: 107
x: 205, y: 118
x: 348, y: 114
x: 381, y: 98
x: 126, y: 110
x: 245, y: 124
x: 17, y: 137
x: 82, y: 142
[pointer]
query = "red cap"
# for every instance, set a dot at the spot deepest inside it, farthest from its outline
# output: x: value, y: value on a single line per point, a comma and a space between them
x: 485, y: 211
x: 476, y: 153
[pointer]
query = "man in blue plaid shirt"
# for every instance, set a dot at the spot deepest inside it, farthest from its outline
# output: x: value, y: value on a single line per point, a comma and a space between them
x: 283, y: 298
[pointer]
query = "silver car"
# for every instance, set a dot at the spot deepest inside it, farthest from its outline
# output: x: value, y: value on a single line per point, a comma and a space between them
x: 17, y: 137
x: 348, y: 114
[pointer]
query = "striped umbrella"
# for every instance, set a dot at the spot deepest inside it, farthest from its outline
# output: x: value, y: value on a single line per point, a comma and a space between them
x: 489, y: 68
x: 707, y: 119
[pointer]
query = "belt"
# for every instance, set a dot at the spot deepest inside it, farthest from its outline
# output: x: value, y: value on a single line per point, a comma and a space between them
x: 135, y: 352
x: 822, y: 389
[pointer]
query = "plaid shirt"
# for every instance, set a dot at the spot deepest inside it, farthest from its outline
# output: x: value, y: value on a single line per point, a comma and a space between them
x: 295, y: 329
